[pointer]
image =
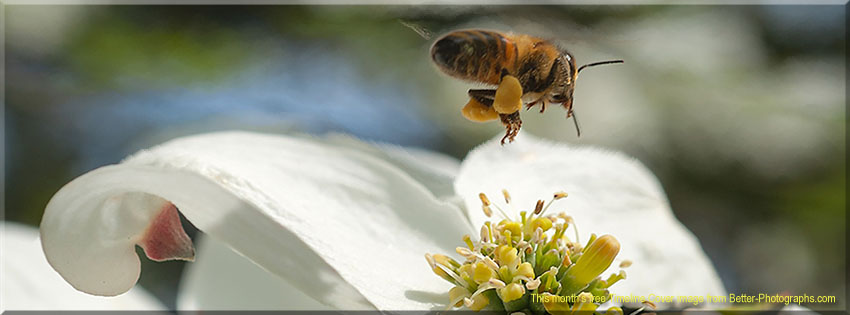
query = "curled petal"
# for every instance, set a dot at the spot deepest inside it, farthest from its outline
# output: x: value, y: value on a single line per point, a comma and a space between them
x: 346, y: 226
x: 28, y: 283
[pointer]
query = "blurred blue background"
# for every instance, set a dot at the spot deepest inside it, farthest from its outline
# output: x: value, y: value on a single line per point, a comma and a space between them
x: 740, y: 110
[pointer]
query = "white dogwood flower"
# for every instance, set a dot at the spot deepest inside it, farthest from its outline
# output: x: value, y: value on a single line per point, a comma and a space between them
x: 337, y: 223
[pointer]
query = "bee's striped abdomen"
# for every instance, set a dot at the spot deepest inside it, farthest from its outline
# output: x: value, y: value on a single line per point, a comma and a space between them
x: 473, y: 55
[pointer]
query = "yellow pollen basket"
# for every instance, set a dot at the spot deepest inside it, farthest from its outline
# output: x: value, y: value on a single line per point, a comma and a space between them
x: 478, y: 112
x: 508, y: 97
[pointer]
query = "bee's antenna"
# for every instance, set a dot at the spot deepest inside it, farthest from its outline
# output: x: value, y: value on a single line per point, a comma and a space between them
x: 419, y: 29
x: 575, y: 120
x: 599, y: 64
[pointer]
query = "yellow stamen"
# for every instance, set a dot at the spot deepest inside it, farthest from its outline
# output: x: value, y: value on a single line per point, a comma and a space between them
x: 503, y: 258
x: 558, y: 195
x: 614, y: 278
x: 482, y: 273
x: 436, y: 269
x: 477, y: 303
x: 511, y: 292
x: 542, y: 223
x: 468, y: 240
x: 597, y: 257
x: 456, y: 296
x: 490, y: 263
x: 506, y: 255
x: 514, y: 227
x: 525, y: 270
x: 445, y: 261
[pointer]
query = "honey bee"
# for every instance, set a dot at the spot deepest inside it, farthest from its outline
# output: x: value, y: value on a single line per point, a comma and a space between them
x: 526, y: 70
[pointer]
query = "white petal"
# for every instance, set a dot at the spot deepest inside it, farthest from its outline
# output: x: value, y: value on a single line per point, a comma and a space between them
x: 434, y: 170
x: 221, y: 279
x: 347, y: 228
x: 28, y: 282
x: 608, y: 194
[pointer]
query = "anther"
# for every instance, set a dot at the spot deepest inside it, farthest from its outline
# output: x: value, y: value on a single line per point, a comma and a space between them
x: 487, y: 211
x: 533, y: 284
x: 537, y: 237
x: 490, y: 263
x: 507, y: 195
x: 560, y: 195
x: 496, y: 283
x: 539, y: 207
x: 484, y: 199
x: 465, y: 252
x: 626, y: 263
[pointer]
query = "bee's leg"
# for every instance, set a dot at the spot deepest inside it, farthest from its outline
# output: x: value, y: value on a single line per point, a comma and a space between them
x: 484, y: 96
x: 568, y: 105
x: 530, y: 105
x: 512, y: 124
x: 542, y: 102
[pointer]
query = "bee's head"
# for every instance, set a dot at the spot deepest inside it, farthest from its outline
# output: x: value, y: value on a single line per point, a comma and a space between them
x: 565, y: 84
x: 563, y: 92
x: 562, y: 89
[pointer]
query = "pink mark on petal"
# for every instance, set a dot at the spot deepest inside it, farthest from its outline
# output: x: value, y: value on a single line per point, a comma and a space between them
x: 165, y: 238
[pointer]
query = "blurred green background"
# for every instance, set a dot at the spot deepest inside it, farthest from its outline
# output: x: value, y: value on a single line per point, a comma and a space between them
x: 739, y: 110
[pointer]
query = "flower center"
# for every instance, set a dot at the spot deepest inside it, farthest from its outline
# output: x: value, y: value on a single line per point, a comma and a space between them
x: 529, y: 264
